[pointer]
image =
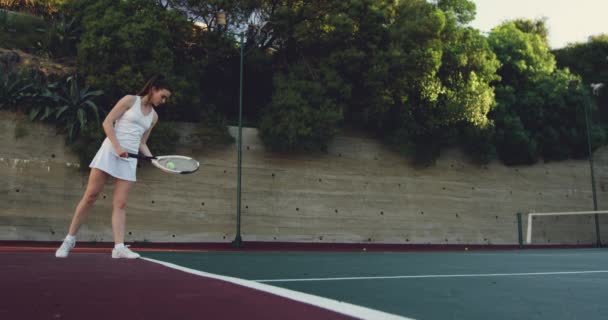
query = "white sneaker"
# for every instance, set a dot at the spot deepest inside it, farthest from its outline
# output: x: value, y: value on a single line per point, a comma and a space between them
x: 65, y: 248
x: 124, y: 252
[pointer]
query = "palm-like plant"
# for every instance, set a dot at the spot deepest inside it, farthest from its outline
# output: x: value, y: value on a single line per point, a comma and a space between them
x: 61, y: 37
x: 14, y: 88
x: 72, y: 106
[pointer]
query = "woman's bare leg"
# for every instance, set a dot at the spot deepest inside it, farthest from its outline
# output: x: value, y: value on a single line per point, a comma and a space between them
x: 119, y: 203
x: 97, y: 179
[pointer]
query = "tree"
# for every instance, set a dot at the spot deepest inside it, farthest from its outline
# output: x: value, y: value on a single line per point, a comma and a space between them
x: 126, y: 42
x: 463, y: 11
x: 409, y: 71
x: 524, y: 56
x: 300, y: 116
x: 540, y: 113
x: 590, y: 61
x: 450, y: 96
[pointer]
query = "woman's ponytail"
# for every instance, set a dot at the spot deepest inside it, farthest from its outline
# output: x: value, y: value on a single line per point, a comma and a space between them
x: 158, y: 82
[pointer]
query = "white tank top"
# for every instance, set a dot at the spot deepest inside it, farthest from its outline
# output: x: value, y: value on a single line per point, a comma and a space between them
x: 130, y: 127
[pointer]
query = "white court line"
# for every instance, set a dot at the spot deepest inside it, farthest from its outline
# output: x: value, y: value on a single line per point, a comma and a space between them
x: 438, y: 276
x: 523, y: 254
x: 549, y: 254
x: 345, y: 308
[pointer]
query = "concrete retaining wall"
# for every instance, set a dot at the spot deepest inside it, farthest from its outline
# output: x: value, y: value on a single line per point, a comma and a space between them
x: 357, y: 192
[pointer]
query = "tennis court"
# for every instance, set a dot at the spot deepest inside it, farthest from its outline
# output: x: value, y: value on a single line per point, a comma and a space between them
x: 302, y: 160
x: 477, y: 284
x: 529, y: 284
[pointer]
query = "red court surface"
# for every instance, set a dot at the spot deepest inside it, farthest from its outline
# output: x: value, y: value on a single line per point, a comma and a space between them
x: 91, y: 285
x: 8, y: 245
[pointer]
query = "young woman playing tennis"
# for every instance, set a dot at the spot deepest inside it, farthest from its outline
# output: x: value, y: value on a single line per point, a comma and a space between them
x: 127, y: 128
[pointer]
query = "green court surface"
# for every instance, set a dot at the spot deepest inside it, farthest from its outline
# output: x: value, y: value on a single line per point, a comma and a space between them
x: 517, y: 284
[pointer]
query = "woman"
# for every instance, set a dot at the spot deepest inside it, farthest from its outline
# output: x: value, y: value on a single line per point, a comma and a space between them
x: 127, y: 128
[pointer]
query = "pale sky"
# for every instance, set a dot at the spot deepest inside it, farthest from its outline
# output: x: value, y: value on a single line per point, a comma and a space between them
x: 568, y: 20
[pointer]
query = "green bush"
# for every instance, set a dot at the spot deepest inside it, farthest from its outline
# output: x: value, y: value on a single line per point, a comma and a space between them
x: 72, y: 106
x: 480, y: 143
x: 20, y: 31
x: 212, y: 131
x: 301, y: 116
x: 60, y: 37
x: 514, y: 143
x: 14, y: 88
x: 40, y: 8
x: 124, y: 43
x: 163, y: 138
x: 540, y: 110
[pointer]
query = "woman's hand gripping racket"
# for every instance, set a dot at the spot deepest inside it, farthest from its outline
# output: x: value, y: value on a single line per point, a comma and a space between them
x: 171, y: 164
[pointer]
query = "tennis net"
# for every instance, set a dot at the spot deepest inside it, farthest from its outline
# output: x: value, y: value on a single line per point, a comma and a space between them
x: 575, y: 227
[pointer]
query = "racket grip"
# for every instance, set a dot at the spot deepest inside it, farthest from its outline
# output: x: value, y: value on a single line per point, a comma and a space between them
x: 138, y: 156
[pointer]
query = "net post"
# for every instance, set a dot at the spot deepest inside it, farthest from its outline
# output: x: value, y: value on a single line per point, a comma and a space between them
x: 519, y: 231
x: 529, y: 227
x: 597, y: 231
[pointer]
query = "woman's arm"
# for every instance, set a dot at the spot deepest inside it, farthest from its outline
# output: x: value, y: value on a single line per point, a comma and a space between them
x: 143, y: 147
x: 108, y: 123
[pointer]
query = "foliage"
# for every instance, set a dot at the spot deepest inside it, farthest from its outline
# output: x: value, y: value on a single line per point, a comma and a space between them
x: 411, y: 72
x: 212, y: 131
x: 4, y: 20
x: 163, y: 138
x: 439, y: 79
x: 60, y: 37
x: 541, y: 109
x: 125, y: 42
x: 237, y: 11
x: 461, y: 10
x: 65, y: 103
x: 41, y: 8
x: 524, y: 56
x: 14, y: 88
x: 590, y: 61
x: 300, y: 116
x: 537, y: 27
x: 479, y: 143
x: 20, y: 31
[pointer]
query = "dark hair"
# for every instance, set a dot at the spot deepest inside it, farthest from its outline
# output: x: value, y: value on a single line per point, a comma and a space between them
x: 158, y: 82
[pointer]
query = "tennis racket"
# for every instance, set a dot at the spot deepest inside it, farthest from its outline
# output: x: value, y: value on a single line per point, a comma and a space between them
x: 171, y: 164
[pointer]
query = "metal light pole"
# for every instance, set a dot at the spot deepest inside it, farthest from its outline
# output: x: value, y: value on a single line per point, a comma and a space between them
x: 597, y: 224
x: 574, y: 84
x: 238, y: 241
x: 596, y: 92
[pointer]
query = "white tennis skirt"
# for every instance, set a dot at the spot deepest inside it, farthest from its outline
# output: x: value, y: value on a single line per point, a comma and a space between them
x: 107, y: 161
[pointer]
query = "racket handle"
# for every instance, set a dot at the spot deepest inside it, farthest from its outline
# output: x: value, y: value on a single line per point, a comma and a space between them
x: 138, y: 156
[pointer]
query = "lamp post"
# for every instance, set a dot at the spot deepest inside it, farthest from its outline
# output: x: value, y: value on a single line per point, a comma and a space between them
x: 238, y: 241
x: 597, y: 224
x: 596, y: 92
x: 574, y: 84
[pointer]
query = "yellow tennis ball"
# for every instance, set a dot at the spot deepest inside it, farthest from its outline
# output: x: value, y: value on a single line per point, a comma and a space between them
x: 170, y: 165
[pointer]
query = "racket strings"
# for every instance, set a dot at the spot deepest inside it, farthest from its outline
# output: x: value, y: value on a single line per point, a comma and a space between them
x: 179, y: 164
